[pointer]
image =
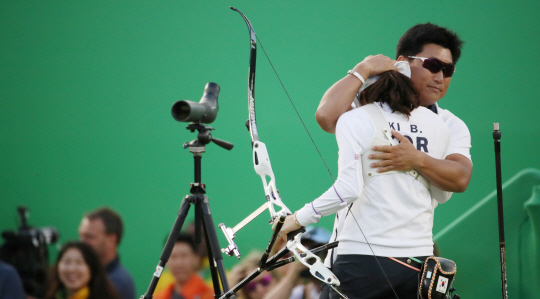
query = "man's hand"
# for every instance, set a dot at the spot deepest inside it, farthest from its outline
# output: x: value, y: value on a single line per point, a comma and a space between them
x: 451, y: 174
x: 338, y: 98
x: 403, y: 156
x: 375, y: 65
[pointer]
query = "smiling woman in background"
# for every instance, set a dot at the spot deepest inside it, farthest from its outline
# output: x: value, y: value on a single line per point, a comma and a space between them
x: 78, y: 274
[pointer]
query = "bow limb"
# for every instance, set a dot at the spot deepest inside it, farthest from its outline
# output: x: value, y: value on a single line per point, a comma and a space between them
x: 252, y: 122
x: 261, y: 160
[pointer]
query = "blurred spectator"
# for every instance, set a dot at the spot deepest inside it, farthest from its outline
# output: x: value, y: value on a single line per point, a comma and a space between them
x: 296, y: 282
x: 202, y: 249
x: 102, y: 229
x: 183, y: 264
x: 78, y: 274
x: 203, y: 269
x: 258, y: 287
x: 311, y: 286
x: 10, y: 283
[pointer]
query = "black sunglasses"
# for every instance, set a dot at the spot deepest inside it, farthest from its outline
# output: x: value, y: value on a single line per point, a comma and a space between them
x: 434, y: 65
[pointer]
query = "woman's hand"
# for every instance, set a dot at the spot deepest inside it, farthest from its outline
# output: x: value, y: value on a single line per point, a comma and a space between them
x: 289, y: 225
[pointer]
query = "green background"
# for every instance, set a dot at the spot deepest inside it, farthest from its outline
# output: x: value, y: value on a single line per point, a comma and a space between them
x: 86, y: 89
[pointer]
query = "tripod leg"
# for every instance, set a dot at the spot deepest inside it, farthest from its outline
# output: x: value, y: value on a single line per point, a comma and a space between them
x: 213, y: 247
x: 166, y: 253
x: 213, y: 270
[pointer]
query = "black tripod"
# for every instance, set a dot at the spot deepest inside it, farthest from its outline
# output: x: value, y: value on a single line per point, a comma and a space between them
x: 202, y: 216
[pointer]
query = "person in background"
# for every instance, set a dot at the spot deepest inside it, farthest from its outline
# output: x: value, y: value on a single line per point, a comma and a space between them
x: 258, y: 287
x: 10, y: 283
x: 203, y: 269
x: 78, y: 274
x: 310, y: 288
x: 102, y: 229
x: 183, y: 264
x: 296, y: 282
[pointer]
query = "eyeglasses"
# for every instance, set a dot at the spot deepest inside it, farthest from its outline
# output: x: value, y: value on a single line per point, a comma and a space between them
x: 252, y: 286
x: 434, y: 65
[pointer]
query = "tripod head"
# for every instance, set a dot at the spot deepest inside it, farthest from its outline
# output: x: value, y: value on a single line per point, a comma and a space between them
x: 203, y: 138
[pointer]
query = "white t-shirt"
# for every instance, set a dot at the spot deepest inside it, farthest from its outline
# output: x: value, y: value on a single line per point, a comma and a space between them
x: 460, y: 137
x: 394, y: 211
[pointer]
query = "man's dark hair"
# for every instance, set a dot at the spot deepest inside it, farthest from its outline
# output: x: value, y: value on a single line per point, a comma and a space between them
x: 412, y: 42
x: 395, y: 89
x: 111, y: 220
x: 188, y: 239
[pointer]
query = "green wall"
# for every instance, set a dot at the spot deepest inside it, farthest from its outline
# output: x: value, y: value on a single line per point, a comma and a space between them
x: 478, y: 272
x: 86, y: 89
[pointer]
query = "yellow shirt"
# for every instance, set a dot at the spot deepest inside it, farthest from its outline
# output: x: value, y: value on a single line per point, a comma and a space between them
x: 81, y: 294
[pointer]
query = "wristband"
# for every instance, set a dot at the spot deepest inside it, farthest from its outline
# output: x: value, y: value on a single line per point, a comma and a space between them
x: 357, y: 75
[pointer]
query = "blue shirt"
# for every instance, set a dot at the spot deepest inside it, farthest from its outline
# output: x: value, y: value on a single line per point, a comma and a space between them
x: 10, y: 283
x: 121, y: 279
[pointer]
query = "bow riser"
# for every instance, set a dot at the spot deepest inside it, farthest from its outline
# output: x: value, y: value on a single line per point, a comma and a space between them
x: 315, y: 265
x: 261, y: 163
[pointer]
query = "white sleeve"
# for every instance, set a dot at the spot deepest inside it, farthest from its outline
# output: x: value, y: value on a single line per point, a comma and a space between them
x: 348, y: 187
x: 460, y: 143
x: 439, y: 195
x: 445, y: 137
x: 460, y: 137
x: 460, y: 140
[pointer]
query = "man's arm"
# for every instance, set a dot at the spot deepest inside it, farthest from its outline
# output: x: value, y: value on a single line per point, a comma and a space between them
x: 452, y: 174
x: 338, y: 98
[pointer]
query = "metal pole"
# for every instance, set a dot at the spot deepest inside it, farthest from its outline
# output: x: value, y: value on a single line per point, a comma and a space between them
x: 497, y: 139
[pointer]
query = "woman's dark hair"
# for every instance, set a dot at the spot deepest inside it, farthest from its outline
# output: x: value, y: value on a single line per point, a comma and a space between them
x: 395, y: 89
x: 99, y: 285
x: 413, y: 41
